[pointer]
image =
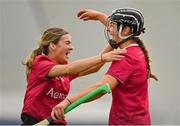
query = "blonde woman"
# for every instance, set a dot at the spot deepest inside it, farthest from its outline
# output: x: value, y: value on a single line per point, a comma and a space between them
x: 49, y: 73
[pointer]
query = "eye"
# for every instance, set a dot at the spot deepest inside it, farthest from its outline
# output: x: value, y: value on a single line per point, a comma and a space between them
x: 67, y: 42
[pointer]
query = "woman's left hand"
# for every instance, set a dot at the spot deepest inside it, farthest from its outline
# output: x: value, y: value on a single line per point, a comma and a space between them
x: 113, y: 55
x: 58, y: 111
x: 89, y: 14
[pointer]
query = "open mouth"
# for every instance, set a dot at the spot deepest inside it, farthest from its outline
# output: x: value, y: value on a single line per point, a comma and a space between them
x: 67, y: 55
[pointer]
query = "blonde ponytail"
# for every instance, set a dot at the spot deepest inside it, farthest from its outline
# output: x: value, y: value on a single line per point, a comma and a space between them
x: 29, y: 61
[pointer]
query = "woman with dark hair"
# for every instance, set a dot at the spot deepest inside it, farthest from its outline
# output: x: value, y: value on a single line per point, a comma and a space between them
x: 128, y: 77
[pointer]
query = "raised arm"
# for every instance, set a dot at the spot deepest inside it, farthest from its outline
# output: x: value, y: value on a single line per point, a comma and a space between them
x: 89, y: 14
x: 97, y: 67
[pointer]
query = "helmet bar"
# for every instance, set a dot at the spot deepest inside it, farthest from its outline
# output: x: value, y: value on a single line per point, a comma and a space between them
x: 127, y: 21
x: 125, y: 17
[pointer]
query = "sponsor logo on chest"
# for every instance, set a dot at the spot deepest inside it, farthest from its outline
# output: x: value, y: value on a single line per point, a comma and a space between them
x: 55, y: 94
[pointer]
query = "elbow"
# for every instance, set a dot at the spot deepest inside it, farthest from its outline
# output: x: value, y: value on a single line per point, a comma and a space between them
x: 59, y: 70
x: 96, y: 69
x: 70, y: 71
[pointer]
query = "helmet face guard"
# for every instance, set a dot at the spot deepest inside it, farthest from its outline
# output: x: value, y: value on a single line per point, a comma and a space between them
x: 111, y: 42
x: 126, y: 17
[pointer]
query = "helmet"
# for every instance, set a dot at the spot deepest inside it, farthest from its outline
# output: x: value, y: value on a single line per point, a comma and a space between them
x: 128, y: 17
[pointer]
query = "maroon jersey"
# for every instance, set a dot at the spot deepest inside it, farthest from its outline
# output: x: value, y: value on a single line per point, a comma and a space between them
x: 130, y: 98
x: 43, y: 93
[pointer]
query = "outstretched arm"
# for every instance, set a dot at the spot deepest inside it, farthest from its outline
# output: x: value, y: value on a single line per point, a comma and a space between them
x: 98, y: 66
x: 58, y: 110
x: 76, y: 67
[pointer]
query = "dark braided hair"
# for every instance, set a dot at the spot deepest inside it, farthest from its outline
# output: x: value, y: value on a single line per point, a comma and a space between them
x: 146, y: 54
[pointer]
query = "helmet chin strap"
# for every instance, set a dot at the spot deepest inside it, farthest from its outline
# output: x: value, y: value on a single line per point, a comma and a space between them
x: 112, y: 42
x: 123, y: 37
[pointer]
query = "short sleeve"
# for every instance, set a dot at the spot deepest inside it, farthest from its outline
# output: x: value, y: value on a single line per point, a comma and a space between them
x: 121, y: 70
x: 72, y: 77
x: 42, y: 66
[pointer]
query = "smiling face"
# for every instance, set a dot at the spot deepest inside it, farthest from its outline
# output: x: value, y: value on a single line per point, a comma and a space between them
x: 62, y: 49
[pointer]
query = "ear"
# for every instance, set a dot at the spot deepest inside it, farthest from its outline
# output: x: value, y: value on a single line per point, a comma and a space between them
x: 127, y: 30
x: 52, y: 46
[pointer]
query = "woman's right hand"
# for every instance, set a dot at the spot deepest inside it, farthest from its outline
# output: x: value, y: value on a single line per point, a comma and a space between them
x: 58, y: 111
x: 113, y: 55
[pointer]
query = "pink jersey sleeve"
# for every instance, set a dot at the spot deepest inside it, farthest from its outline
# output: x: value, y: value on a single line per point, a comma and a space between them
x: 122, y: 69
x: 42, y: 66
x: 72, y: 77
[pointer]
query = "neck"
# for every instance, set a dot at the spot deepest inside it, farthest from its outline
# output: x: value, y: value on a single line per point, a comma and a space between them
x: 127, y: 43
x: 53, y: 58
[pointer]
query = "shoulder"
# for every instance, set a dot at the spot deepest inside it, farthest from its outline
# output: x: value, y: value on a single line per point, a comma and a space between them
x: 42, y: 61
x: 130, y: 57
x: 42, y: 65
x: 132, y: 54
x: 41, y: 58
x: 132, y: 49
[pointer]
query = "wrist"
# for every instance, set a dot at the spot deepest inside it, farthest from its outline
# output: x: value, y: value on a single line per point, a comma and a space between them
x: 101, y: 16
x: 69, y: 101
x: 101, y: 56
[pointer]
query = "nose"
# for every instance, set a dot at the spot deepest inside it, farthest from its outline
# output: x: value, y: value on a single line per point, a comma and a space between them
x: 108, y: 28
x: 71, y: 48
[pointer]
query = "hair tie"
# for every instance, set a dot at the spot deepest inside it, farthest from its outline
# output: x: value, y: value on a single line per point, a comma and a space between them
x: 143, y: 30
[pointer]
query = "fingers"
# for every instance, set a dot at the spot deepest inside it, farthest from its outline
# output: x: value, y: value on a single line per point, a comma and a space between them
x: 62, y: 113
x: 81, y: 12
x: 119, y: 52
x: 57, y: 113
x: 122, y: 51
x: 117, y: 57
x: 87, y: 14
x: 52, y: 115
x: 113, y: 55
x: 83, y: 16
x: 86, y: 19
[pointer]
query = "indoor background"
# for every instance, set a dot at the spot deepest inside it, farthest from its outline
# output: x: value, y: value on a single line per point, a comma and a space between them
x: 23, y: 21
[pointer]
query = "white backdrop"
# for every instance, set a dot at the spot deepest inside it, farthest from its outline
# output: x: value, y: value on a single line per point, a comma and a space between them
x: 23, y: 21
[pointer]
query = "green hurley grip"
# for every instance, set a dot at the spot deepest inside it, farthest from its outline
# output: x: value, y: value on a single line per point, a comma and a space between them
x: 104, y: 87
